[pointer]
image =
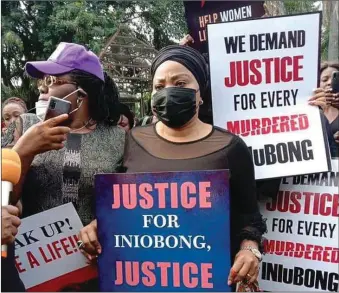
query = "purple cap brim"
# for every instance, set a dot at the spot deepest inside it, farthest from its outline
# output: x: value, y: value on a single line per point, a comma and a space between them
x: 38, y: 69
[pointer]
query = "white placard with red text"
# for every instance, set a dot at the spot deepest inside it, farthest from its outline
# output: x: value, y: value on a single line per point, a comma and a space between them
x: 263, y: 72
x: 47, y: 256
x: 302, y: 246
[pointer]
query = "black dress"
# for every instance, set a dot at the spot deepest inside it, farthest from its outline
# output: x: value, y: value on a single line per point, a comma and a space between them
x: 334, y: 125
x: 10, y: 280
x: 146, y: 151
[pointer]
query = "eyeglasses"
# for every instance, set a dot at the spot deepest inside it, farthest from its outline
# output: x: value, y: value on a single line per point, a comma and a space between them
x: 50, y: 80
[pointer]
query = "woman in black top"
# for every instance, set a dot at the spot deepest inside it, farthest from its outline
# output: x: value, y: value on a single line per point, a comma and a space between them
x: 326, y: 98
x: 181, y: 142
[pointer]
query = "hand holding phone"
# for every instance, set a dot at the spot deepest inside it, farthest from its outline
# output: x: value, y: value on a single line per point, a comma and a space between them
x: 334, y: 99
x: 57, y: 107
x: 335, y: 82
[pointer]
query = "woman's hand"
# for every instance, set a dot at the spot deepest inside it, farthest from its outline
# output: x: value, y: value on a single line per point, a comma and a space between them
x: 321, y: 98
x: 88, y: 241
x: 187, y: 40
x: 246, y: 265
x: 43, y: 136
x: 10, y: 223
x: 334, y: 100
x: 336, y: 137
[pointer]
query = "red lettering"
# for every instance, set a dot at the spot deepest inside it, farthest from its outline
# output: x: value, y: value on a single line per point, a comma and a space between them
x: 147, y: 200
x: 164, y: 266
x: 255, y: 78
x: 206, y: 275
x: 286, y: 75
x: 233, y: 126
x: 44, y: 256
x: 266, y: 123
x: 186, y: 189
x: 275, y: 124
x: 295, y: 207
x: 242, y: 73
x: 268, y: 73
x: 254, y: 72
x: 316, y: 199
x: 335, y: 255
x: 284, y: 126
x: 308, y: 251
x: 272, y: 206
x: 303, y: 122
x: 294, y: 122
x: 57, y: 249
x: 33, y: 262
x: 335, y: 209
x: 323, y: 209
x: 326, y: 257
x: 317, y: 253
x: 255, y: 126
x: 188, y: 270
x: 296, y: 68
x: 307, y: 202
x: 65, y: 246
x: 147, y: 268
x: 18, y: 265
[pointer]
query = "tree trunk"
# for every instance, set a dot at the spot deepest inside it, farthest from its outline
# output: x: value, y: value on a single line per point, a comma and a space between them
x: 333, y: 46
x: 275, y: 8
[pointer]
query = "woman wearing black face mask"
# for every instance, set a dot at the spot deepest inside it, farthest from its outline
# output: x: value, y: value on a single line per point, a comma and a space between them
x: 181, y: 142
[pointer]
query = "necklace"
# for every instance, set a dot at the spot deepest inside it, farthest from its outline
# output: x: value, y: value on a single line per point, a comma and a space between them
x: 86, y: 124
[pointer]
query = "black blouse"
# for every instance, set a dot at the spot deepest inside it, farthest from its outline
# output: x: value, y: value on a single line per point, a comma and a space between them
x: 146, y: 151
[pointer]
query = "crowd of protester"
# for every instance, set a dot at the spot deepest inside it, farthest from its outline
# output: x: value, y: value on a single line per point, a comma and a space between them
x: 98, y: 136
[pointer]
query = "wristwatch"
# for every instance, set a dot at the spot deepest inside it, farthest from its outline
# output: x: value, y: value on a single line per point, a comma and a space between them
x: 255, y: 251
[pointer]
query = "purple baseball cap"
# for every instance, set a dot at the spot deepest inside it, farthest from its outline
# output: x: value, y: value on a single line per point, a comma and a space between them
x: 65, y: 58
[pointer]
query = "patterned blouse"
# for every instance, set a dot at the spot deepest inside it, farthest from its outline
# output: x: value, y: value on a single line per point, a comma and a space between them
x: 67, y: 175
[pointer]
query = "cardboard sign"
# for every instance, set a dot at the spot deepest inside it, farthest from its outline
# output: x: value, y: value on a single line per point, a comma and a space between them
x: 302, y: 247
x: 263, y: 72
x: 47, y: 256
x: 199, y: 13
x: 163, y: 231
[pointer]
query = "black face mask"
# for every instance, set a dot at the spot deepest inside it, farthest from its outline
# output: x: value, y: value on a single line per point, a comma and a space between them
x: 175, y: 106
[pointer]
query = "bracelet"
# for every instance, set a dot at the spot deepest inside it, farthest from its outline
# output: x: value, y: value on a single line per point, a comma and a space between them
x: 254, y: 250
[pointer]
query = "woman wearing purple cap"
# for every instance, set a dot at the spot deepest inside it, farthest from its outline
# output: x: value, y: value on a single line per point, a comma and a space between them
x: 59, y: 162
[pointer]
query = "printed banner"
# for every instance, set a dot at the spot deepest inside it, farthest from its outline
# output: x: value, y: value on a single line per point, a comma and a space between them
x: 263, y: 72
x: 302, y: 247
x: 46, y: 254
x: 164, y: 231
x: 199, y: 13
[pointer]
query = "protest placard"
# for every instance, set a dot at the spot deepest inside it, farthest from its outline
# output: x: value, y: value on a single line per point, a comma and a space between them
x: 163, y: 231
x: 46, y: 253
x: 263, y: 72
x: 199, y: 13
x: 302, y: 245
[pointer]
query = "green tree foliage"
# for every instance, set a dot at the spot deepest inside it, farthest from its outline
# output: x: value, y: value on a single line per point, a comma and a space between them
x: 32, y: 29
x: 301, y: 6
x: 330, y: 24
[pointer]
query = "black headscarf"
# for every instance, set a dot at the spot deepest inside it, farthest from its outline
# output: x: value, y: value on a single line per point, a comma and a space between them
x: 188, y: 57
